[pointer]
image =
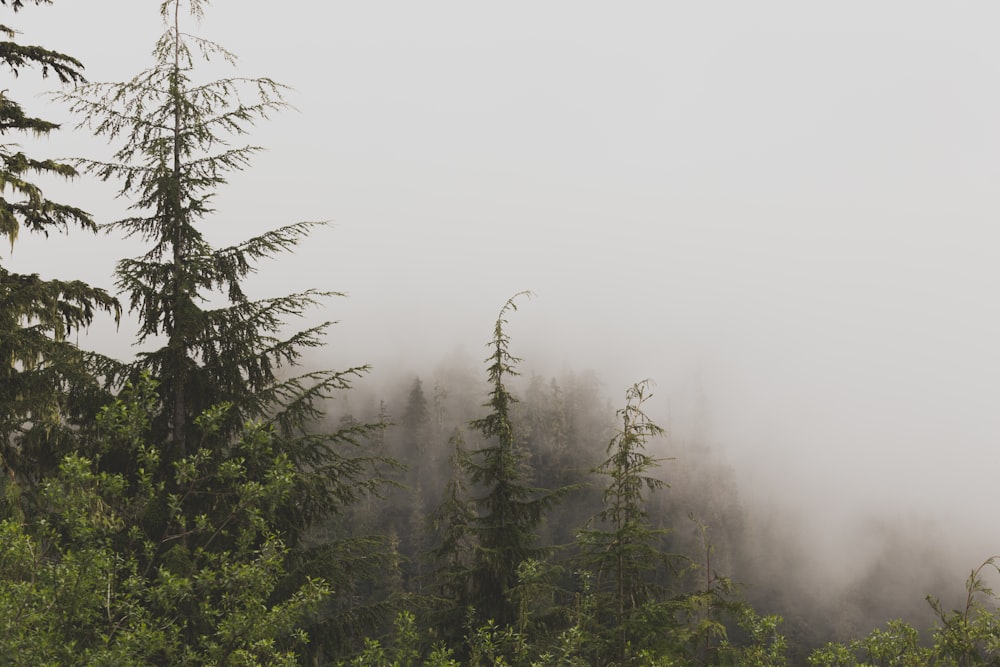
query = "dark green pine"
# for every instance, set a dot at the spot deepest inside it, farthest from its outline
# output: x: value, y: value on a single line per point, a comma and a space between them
x: 619, y: 545
x: 205, y: 340
x: 47, y: 385
x: 509, y: 509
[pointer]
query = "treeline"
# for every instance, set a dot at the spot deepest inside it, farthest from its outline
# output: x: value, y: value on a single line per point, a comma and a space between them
x: 196, y: 505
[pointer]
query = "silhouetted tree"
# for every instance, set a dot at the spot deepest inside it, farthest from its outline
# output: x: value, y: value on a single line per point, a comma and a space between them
x: 415, y: 426
x: 450, y: 560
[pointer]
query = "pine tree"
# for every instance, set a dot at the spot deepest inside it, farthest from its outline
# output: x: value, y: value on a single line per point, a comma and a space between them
x: 174, y: 134
x: 509, y: 509
x: 620, y: 545
x: 545, y: 430
x: 415, y: 423
x: 450, y: 560
x: 416, y: 452
x: 176, y: 146
x: 46, y: 383
x: 404, y: 508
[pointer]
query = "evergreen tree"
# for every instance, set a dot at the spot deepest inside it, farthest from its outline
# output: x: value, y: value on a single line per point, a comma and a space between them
x: 415, y: 425
x: 46, y: 383
x: 621, y: 546
x: 175, y: 152
x: 174, y: 135
x: 452, y: 524
x: 405, y: 507
x: 544, y: 430
x: 509, y: 509
x: 422, y: 462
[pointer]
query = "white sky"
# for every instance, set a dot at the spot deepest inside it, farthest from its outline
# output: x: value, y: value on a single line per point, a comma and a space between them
x: 791, y: 206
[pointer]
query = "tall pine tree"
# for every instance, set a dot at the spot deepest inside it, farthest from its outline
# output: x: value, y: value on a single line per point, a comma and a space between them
x: 509, y: 508
x: 176, y: 144
x: 46, y: 383
x: 174, y: 134
x: 450, y: 560
x: 620, y: 545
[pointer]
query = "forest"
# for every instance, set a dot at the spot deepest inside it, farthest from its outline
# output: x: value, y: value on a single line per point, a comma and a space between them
x: 208, y: 502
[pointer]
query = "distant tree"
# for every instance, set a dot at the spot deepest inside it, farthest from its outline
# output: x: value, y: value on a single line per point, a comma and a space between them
x: 544, y: 421
x: 403, y: 510
x: 451, y: 525
x: 416, y: 415
x: 415, y: 425
x: 509, y: 509
x: 47, y: 385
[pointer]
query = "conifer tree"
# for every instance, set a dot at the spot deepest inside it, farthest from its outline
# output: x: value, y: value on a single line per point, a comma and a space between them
x: 408, y: 505
x: 174, y: 134
x: 415, y: 425
x: 45, y: 381
x: 452, y: 524
x: 620, y: 545
x: 509, y: 509
x: 176, y: 145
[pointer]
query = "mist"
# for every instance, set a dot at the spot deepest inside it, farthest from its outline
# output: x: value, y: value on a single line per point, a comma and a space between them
x: 784, y: 214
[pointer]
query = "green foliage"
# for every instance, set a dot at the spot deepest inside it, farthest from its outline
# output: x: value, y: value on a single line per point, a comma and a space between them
x: 174, y: 135
x: 403, y: 651
x: 79, y: 586
x: 971, y: 636
x: 765, y: 645
x: 452, y: 527
x: 23, y: 205
x: 46, y: 384
x: 620, y: 547
x: 898, y: 645
x: 961, y: 637
x: 509, y: 509
x: 223, y: 359
x: 175, y: 149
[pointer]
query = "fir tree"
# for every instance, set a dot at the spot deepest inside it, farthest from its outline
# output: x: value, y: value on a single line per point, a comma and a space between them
x: 175, y: 151
x: 620, y: 545
x: 405, y: 507
x: 416, y: 452
x: 175, y: 136
x: 509, y: 509
x: 452, y: 524
x: 415, y: 423
x: 46, y: 383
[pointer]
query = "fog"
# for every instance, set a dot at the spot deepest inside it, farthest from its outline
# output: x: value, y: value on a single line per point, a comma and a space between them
x: 784, y: 213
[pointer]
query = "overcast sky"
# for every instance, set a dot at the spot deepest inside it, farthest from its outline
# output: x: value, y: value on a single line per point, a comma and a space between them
x: 790, y: 207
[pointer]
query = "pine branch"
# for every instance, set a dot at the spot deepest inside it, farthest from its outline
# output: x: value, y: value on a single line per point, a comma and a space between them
x: 17, y: 56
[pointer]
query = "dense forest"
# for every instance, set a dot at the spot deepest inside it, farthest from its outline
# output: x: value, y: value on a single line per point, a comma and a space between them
x: 215, y: 500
